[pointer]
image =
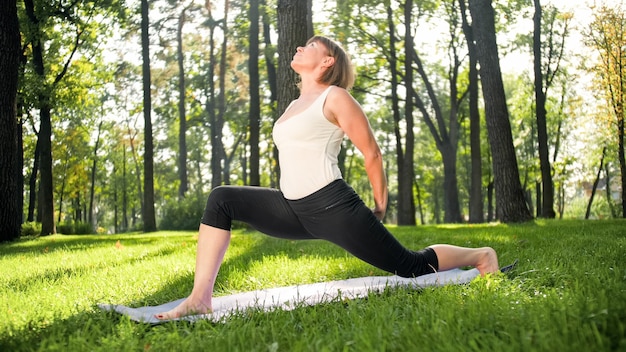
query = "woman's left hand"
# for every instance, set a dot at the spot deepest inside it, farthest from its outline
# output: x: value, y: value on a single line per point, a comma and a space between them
x: 379, y: 213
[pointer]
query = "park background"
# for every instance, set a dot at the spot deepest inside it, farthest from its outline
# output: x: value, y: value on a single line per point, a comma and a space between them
x: 128, y: 116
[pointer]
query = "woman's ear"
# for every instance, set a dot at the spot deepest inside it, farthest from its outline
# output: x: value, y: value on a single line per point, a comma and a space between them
x: 328, y: 61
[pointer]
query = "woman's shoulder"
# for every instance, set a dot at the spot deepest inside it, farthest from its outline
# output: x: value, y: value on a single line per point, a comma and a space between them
x: 340, y: 97
x: 339, y: 104
x: 339, y: 94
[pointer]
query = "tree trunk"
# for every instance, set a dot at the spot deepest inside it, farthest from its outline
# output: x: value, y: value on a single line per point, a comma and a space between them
x: 406, y: 173
x: 622, y: 158
x: 445, y: 135
x: 215, y: 126
x: 10, y: 189
x: 547, y: 200
x: 609, y: 200
x: 476, y: 212
x: 255, y: 99
x: 272, y: 82
x: 292, y: 32
x: 490, y: 206
x: 595, y: 184
x: 149, y: 218
x: 221, y: 100
x: 62, y: 191
x: 510, y: 203
x: 124, y: 193
x: 137, y: 165
x: 395, y: 105
x: 420, y: 208
x: 93, y: 178
x: 450, y: 186
x: 32, y: 184
x: 183, y: 187
x: 46, y: 197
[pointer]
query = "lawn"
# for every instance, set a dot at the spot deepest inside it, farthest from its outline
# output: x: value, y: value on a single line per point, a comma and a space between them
x: 567, y: 293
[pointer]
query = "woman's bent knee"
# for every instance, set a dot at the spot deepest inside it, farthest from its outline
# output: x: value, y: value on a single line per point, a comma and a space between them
x: 216, y: 211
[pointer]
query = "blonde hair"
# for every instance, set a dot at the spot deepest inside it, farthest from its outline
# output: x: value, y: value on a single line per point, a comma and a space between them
x: 341, y: 73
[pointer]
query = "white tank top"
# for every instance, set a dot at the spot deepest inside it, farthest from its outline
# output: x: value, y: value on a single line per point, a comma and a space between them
x: 308, y: 145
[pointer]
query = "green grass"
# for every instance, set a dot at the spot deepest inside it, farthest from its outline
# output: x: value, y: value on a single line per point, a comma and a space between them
x: 568, y: 293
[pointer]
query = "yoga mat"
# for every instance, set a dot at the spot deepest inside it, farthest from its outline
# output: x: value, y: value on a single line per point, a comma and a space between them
x: 291, y: 297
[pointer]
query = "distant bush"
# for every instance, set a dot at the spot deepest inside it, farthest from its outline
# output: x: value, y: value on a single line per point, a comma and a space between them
x: 75, y: 228
x: 576, y: 208
x: 31, y: 228
x: 184, y: 214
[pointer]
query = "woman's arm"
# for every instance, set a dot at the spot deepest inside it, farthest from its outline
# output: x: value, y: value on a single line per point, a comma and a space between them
x: 343, y: 110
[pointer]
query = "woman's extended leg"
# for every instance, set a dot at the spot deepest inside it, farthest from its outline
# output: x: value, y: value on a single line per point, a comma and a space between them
x: 212, y: 244
x: 484, y: 259
x: 352, y: 225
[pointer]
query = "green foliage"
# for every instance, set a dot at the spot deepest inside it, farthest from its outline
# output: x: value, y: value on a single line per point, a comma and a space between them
x: 577, y: 208
x: 183, y: 214
x: 102, y: 83
x: 75, y: 228
x: 568, y: 293
x: 31, y: 228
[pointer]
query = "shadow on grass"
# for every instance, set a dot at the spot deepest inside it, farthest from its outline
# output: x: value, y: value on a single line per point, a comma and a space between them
x: 82, y: 331
x: 23, y: 283
x: 73, y: 243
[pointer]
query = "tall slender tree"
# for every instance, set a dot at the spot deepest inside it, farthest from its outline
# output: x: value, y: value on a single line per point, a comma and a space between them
x: 10, y: 188
x: 254, y: 114
x: 46, y: 198
x: 406, y: 171
x: 270, y: 63
x: 547, y: 186
x: 444, y: 130
x: 221, y: 98
x: 183, y: 187
x: 510, y: 202
x: 403, y: 206
x: 92, y: 193
x: 476, y: 212
x: 149, y: 216
x: 607, y: 35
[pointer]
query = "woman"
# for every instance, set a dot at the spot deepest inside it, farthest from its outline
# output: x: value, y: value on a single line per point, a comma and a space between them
x: 314, y: 202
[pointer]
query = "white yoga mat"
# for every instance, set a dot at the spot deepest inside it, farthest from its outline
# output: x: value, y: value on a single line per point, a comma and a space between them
x: 291, y: 297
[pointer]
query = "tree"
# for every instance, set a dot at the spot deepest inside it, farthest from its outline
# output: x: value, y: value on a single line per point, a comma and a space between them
x: 182, y: 116
x: 405, y: 207
x: 607, y: 35
x: 510, y: 203
x: 55, y: 36
x: 476, y: 212
x: 272, y: 83
x: 46, y: 204
x: 92, y: 182
x: 11, y: 198
x: 406, y: 172
x: 292, y: 32
x: 595, y: 184
x: 544, y: 77
x: 149, y: 218
x: 255, y: 100
x: 445, y: 131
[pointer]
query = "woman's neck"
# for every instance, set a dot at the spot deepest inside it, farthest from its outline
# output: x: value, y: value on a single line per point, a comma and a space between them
x: 310, y: 86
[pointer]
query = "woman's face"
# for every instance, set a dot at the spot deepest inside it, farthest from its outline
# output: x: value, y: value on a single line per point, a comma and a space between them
x: 311, y: 56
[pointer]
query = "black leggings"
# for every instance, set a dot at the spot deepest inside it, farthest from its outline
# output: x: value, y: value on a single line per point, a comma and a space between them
x: 334, y: 213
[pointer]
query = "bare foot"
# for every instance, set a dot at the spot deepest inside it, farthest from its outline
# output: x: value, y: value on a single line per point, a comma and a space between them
x: 187, y: 307
x: 488, y: 261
